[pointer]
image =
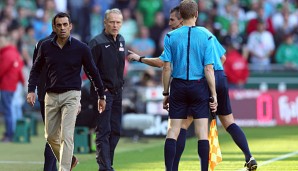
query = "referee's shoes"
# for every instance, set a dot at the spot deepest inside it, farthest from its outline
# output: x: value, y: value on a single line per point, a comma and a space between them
x: 251, y: 165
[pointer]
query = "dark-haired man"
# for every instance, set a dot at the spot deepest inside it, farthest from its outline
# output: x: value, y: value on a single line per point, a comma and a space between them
x: 63, y: 57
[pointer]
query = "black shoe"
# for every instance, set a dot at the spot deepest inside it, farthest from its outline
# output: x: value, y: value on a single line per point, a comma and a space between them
x: 251, y: 165
x: 74, y: 162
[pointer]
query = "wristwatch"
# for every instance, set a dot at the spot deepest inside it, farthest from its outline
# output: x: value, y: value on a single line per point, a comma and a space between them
x: 140, y: 59
x: 165, y: 93
x: 102, y: 97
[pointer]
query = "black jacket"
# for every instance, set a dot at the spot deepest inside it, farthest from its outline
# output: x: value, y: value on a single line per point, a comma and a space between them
x: 109, y: 57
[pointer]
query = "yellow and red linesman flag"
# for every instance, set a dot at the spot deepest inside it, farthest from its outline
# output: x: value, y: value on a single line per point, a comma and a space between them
x: 215, y: 152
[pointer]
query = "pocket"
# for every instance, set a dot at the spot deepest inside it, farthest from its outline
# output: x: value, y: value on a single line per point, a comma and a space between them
x: 49, y: 99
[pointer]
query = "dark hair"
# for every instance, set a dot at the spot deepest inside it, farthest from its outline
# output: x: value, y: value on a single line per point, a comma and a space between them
x: 177, y: 12
x: 61, y: 15
x: 28, y: 28
x: 188, y: 9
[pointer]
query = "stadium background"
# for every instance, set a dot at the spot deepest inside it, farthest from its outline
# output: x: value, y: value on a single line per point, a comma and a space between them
x: 268, y: 98
x: 268, y: 95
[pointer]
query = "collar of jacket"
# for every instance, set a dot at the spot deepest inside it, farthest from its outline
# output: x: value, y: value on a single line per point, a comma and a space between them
x: 110, y: 36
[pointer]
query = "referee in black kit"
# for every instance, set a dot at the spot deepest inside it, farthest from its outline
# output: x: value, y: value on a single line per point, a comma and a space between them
x: 63, y: 56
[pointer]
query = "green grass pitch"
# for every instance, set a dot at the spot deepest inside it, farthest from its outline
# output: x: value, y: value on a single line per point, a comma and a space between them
x: 275, y: 148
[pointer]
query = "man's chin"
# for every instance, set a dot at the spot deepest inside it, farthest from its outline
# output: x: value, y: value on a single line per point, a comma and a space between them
x: 63, y: 36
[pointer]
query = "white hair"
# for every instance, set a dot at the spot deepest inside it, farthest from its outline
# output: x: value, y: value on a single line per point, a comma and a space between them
x: 113, y: 10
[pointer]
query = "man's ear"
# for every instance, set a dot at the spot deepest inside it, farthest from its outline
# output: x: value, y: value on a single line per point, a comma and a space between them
x: 53, y: 28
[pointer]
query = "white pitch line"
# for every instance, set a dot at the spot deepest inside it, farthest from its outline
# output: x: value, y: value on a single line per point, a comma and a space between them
x: 275, y: 159
x: 21, y: 162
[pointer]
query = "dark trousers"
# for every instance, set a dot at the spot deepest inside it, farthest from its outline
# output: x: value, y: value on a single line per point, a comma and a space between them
x: 49, y: 157
x: 108, y: 130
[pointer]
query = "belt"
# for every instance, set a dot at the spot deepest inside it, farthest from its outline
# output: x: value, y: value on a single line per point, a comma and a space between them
x: 59, y: 91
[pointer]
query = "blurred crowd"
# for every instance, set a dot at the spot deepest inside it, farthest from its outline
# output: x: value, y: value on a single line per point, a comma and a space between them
x: 257, y: 34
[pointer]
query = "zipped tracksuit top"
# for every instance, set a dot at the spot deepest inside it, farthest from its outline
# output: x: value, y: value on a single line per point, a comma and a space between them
x: 109, y: 57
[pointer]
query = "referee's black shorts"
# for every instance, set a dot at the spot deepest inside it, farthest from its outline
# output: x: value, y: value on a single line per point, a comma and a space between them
x: 222, y: 90
x: 189, y: 97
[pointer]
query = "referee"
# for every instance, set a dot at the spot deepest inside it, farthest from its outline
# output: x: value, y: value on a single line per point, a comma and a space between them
x: 188, y: 58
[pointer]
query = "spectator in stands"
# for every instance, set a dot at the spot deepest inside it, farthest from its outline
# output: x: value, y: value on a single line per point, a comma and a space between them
x: 252, y: 9
x: 285, y: 18
x: 287, y: 53
x: 207, y: 12
x: 269, y: 6
x: 18, y: 98
x: 295, y: 34
x: 96, y: 24
x: 122, y: 4
x: 10, y: 75
x: 73, y: 8
x: 42, y: 26
x: 236, y: 39
x: 284, y: 22
x: 261, y: 47
x: 84, y: 22
x: 8, y: 16
x: 61, y: 5
x: 28, y: 44
x: 49, y: 6
x: 28, y: 5
x: 146, y: 11
x: 156, y: 32
x: 16, y: 34
x: 235, y: 66
x: 253, y: 23
x: 129, y: 27
x: 23, y: 17
x: 167, y: 5
x: 148, y: 78
x: 232, y: 12
x: 143, y: 44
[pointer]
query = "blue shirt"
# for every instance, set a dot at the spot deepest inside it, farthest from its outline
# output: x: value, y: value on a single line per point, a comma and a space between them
x: 189, y: 49
x: 218, y: 52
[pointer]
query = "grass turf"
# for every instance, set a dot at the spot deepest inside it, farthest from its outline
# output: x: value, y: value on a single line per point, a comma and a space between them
x: 269, y: 145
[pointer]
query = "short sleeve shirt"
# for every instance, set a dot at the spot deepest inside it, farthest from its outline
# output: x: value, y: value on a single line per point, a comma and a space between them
x: 189, y: 49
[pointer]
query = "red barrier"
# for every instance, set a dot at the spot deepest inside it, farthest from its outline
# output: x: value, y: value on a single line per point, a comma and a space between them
x: 256, y: 108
